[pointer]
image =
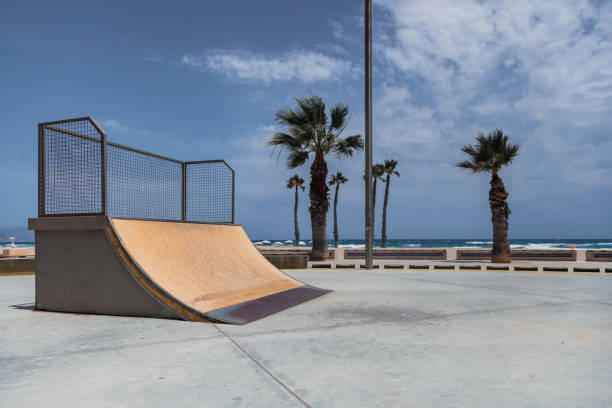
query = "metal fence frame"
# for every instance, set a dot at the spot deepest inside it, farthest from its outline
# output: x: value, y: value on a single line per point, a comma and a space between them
x: 104, y: 143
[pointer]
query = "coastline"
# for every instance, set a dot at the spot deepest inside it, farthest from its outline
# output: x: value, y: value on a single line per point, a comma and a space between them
x: 530, y: 244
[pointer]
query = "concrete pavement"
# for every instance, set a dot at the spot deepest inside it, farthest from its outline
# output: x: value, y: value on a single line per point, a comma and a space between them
x: 383, y: 338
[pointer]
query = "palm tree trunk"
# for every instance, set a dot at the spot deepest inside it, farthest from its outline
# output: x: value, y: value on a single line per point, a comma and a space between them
x: 499, y: 216
x: 383, y: 243
x: 373, y: 203
x: 336, y: 216
x: 295, y: 218
x: 319, y: 205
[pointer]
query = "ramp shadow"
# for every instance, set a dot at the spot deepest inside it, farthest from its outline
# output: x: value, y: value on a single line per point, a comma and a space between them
x: 23, y: 306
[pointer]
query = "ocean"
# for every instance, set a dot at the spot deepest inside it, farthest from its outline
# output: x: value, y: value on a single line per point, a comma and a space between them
x: 545, y: 243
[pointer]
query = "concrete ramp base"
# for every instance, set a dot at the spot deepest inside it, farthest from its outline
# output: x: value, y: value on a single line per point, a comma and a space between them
x: 191, y: 271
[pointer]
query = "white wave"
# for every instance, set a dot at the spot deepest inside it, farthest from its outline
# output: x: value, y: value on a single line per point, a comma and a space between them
x: 479, y: 242
x: 546, y: 246
x: 468, y: 247
x: 351, y: 246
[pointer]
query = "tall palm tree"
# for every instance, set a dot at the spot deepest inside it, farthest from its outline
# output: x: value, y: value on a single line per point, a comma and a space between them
x: 296, y: 182
x: 309, y: 130
x: 336, y: 180
x: 378, y: 170
x: 490, y: 154
x: 389, y: 169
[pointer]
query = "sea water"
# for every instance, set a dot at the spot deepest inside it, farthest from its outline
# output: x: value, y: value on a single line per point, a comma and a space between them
x: 544, y: 243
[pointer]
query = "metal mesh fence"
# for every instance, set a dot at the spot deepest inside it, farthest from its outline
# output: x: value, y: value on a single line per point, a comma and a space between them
x: 143, y: 186
x: 81, y: 173
x: 72, y: 171
x: 209, y: 191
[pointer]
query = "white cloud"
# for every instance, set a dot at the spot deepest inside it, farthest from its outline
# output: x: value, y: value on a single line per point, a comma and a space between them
x: 476, y: 48
x: 338, y: 31
x: 333, y: 48
x: 306, y: 66
x: 540, y: 71
x: 113, y: 125
x: 267, y: 128
x: 492, y: 106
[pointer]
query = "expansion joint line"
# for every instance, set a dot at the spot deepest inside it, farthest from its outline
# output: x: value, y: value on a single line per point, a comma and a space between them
x: 254, y: 360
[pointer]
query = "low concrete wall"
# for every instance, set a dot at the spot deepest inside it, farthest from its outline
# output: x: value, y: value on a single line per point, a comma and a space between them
x: 599, y: 256
x: 451, y: 254
x: 293, y: 250
x: 543, y: 255
x: 518, y: 255
x: 398, y: 253
x: 17, y: 265
x: 17, y: 252
x: 473, y: 254
x: 287, y: 261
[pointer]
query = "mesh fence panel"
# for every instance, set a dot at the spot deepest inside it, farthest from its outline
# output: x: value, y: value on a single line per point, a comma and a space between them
x: 209, y: 192
x: 72, y: 172
x: 138, y: 184
x: 143, y: 186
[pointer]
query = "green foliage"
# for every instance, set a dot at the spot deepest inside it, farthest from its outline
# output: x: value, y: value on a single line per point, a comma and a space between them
x: 308, y: 130
x: 337, y: 178
x: 295, y: 181
x: 389, y: 168
x: 490, y: 154
x: 378, y: 170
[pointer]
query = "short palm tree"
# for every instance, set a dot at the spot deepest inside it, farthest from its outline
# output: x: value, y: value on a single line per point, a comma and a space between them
x: 311, y: 131
x: 296, y: 182
x: 389, y: 170
x: 490, y: 154
x: 336, y: 180
x: 378, y: 170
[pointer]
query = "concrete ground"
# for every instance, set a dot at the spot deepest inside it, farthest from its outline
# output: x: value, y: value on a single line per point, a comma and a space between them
x: 382, y: 339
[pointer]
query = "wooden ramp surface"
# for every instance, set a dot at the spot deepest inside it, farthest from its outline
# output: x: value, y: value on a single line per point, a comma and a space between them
x: 206, y: 271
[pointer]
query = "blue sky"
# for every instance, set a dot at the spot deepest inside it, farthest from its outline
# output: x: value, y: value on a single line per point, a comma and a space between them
x: 203, y: 81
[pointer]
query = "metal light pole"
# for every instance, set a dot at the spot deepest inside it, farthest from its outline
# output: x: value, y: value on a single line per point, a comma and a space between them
x: 369, y: 216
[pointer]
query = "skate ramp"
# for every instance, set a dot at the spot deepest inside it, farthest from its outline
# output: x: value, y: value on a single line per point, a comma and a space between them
x: 205, y: 271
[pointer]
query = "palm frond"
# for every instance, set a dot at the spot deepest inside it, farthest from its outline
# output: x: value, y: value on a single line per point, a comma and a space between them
x: 348, y: 146
x: 313, y: 108
x: 338, y: 117
x: 470, y: 150
x: 337, y: 178
x: 490, y: 154
x: 467, y: 164
x: 295, y: 181
x: 289, y: 117
x: 378, y: 170
x: 307, y: 131
x: 285, y: 141
x: 296, y: 158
